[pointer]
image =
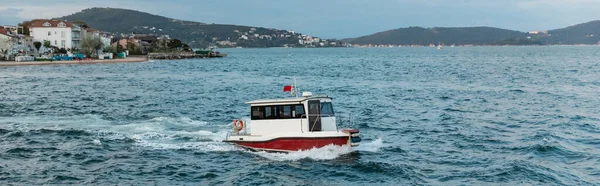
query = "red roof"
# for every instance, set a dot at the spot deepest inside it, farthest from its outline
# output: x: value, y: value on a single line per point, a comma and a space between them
x: 3, y: 31
x: 53, y: 23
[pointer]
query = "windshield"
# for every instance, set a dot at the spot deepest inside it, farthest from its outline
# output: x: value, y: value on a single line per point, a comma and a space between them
x: 326, y: 109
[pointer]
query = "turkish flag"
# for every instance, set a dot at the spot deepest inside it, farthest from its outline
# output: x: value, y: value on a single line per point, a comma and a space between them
x: 287, y: 88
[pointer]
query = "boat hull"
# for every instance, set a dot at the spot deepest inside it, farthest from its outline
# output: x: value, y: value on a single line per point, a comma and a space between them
x: 287, y: 144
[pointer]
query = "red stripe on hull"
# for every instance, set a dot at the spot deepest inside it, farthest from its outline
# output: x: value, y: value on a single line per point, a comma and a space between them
x: 295, y: 144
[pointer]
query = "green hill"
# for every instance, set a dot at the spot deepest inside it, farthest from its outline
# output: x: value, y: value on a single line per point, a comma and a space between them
x: 441, y: 35
x: 197, y: 34
x: 585, y: 33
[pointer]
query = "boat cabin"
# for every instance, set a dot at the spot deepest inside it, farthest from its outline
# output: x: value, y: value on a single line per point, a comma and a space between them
x: 292, y: 115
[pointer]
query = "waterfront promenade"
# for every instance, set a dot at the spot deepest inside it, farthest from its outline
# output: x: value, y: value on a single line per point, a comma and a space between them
x: 97, y: 61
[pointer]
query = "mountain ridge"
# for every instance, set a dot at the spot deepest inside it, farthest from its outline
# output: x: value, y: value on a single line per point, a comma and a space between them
x: 584, y: 33
x: 197, y: 34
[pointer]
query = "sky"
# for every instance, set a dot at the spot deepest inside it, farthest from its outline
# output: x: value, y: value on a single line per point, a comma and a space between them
x: 334, y: 18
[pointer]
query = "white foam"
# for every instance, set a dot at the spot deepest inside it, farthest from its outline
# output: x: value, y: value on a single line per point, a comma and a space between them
x: 180, y: 121
x: 97, y: 142
x: 372, y: 146
x: 159, y: 132
x: 328, y: 152
x: 201, y: 146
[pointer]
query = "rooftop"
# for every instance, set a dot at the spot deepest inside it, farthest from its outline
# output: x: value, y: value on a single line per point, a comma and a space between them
x: 284, y: 100
x: 51, y: 23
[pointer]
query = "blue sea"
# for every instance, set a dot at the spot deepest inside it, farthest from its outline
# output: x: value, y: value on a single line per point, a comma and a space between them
x: 456, y: 116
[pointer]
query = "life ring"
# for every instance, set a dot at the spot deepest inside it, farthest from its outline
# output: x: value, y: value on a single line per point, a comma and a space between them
x: 237, y: 128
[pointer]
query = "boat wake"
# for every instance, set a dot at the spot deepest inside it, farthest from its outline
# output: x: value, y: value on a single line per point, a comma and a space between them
x: 328, y: 152
x: 168, y: 133
x: 155, y: 133
x: 372, y: 146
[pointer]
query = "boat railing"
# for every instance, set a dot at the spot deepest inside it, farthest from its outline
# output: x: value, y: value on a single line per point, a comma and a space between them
x: 342, y: 121
x: 345, y: 120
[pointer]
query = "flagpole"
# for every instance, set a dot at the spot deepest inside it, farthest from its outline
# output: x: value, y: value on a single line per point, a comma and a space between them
x: 294, y: 88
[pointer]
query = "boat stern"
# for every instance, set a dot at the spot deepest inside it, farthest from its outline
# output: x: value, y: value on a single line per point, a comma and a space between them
x: 354, y: 136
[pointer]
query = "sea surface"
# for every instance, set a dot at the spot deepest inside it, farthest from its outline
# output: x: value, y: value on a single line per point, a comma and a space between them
x: 456, y: 116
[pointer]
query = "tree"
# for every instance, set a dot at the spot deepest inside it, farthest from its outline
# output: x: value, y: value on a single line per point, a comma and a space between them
x: 37, y: 45
x: 62, y: 51
x: 133, y: 49
x: 47, y: 44
x: 23, y: 28
x: 81, y: 23
x: 187, y: 47
x: 90, y: 45
x: 109, y: 49
x: 175, y: 43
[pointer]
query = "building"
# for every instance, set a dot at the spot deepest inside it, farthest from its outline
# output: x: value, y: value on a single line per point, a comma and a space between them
x: 12, y: 43
x: 5, y: 40
x: 104, y: 37
x: 77, y: 34
x: 535, y: 32
x: 60, y: 33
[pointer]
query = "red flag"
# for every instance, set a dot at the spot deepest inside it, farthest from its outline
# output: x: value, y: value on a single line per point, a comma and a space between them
x: 287, y: 88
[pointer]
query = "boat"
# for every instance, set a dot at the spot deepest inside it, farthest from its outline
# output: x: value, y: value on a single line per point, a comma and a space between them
x: 210, y: 53
x: 291, y: 124
x: 216, y: 54
x: 204, y: 52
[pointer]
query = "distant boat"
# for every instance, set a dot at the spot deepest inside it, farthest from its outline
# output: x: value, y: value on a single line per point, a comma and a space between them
x: 439, y: 47
x: 205, y: 52
x: 210, y: 53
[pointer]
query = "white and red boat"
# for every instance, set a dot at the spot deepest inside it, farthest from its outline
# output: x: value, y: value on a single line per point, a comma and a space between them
x: 292, y: 124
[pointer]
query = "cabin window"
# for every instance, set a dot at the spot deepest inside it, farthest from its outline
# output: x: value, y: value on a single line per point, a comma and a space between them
x: 268, y: 112
x: 326, y: 109
x: 258, y: 112
x: 285, y: 112
x: 271, y: 112
x: 277, y: 112
x: 299, y: 111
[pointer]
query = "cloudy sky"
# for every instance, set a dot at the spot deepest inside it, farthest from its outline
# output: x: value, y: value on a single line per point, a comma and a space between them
x: 335, y: 18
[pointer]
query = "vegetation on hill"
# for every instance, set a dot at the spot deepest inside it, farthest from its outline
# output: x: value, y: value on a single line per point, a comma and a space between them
x: 123, y: 21
x: 518, y: 41
x: 585, y: 33
x: 438, y: 35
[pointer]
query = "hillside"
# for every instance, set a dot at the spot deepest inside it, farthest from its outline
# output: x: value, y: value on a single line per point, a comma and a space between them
x: 197, y: 34
x: 441, y: 35
x: 585, y: 33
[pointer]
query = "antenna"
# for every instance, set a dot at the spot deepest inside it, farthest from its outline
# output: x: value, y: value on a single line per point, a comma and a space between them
x: 294, y: 88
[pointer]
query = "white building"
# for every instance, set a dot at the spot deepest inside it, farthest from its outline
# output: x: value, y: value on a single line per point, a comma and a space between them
x: 13, y: 43
x: 59, y: 33
x: 104, y: 37
x: 5, y: 42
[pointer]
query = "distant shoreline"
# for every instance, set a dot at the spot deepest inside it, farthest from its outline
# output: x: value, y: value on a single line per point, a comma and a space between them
x: 98, y: 61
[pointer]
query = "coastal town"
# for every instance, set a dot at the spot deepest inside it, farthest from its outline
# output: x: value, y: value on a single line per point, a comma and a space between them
x: 52, y: 40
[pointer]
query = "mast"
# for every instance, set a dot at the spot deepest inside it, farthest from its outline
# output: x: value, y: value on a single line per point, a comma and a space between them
x: 294, y: 88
